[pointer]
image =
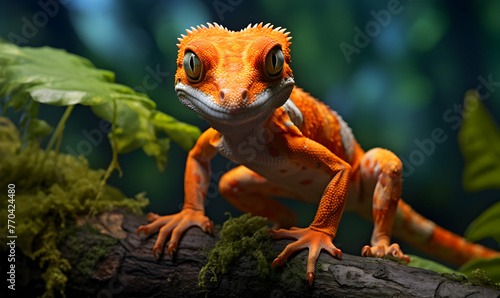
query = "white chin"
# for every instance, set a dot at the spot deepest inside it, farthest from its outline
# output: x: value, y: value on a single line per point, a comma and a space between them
x: 271, y: 98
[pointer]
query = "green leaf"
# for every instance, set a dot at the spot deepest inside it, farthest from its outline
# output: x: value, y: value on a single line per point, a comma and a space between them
x: 55, y: 77
x: 486, y: 225
x: 137, y: 127
x: 159, y: 150
x: 33, y: 127
x: 479, y: 140
x: 419, y: 262
x: 183, y: 134
x: 491, y: 266
x: 40, y: 128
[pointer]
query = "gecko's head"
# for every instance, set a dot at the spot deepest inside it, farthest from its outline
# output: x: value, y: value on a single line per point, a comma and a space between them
x: 233, y: 77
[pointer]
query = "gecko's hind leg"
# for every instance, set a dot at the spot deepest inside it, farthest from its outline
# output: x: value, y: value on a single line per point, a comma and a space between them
x: 381, y: 174
x: 249, y: 192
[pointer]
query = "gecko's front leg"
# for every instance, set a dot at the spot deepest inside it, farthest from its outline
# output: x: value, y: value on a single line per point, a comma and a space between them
x: 196, y: 182
x: 319, y: 235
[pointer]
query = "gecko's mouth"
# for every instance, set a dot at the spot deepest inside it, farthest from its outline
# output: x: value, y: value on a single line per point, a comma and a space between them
x: 271, y: 98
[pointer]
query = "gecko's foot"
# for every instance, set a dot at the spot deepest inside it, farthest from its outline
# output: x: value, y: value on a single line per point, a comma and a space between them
x: 309, y: 238
x: 381, y: 250
x: 176, y: 225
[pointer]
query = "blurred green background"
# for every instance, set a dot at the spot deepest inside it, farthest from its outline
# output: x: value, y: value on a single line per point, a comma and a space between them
x: 405, y: 76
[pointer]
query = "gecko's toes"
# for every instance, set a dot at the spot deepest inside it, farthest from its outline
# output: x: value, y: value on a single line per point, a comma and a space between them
x: 392, y: 252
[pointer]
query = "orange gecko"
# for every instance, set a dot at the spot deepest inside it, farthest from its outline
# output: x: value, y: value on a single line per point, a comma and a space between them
x: 288, y: 144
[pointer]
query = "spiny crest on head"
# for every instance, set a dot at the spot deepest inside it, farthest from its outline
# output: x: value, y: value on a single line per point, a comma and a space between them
x: 268, y: 28
x: 257, y: 28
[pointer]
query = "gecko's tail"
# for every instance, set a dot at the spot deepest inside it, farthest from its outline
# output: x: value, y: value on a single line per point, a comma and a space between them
x: 430, y: 238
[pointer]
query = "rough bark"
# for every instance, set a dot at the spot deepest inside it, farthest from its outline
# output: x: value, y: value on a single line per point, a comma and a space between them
x: 130, y: 270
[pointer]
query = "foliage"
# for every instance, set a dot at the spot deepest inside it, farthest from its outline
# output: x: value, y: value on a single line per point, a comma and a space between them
x: 51, y: 188
x: 420, y: 262
x: 243, y: 236
x: 479, y: 140
x: 33, y: 76
x: 488, y: 269
x: 48, y: 198
x: 486, y: 225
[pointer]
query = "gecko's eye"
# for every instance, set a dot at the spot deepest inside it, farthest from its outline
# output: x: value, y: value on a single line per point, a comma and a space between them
x: 192, y: 67
x: 274, y: 62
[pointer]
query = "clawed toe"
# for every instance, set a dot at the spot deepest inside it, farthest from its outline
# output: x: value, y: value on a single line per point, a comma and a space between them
x: 174, y: 226
x: 157, y: 250
x: 152, y: 216
x: 307, y: 238
x: 143, y: 229
x: 380, y: 251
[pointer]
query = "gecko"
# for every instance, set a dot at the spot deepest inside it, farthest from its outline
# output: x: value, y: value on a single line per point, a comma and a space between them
x: 287, y: 144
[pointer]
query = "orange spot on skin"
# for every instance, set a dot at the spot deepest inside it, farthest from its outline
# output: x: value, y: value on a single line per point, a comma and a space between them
x: 383, y: 181
x: 233, y: 183
x: 273, y: 152
x: 367, y: 163
x: 306, y: 182
x: 197, y: 178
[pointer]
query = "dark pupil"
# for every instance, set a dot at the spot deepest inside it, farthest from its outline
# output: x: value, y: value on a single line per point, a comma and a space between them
x: 191, y: 63
x: 274, y: 59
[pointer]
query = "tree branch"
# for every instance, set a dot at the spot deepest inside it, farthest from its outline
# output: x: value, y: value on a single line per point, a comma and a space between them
x: 130, y: 270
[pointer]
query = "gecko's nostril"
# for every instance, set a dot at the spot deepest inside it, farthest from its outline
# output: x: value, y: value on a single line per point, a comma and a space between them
x: 244, y: 94
x: 222, y: 93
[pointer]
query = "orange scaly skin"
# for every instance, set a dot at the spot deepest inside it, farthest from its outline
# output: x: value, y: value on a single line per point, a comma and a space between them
x: 288, y: 144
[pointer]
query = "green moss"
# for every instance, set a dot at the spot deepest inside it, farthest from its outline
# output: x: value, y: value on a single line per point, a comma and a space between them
x: 293, y: 277
x: 455, y: 277
x: 247, y: 236
x: 87, y: 245
x: 48, y: 198
x: 479, y: 277
x: 242, y: 236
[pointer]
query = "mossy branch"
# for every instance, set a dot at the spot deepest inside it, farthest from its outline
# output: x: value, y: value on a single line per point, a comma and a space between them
x: 130, y: 270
